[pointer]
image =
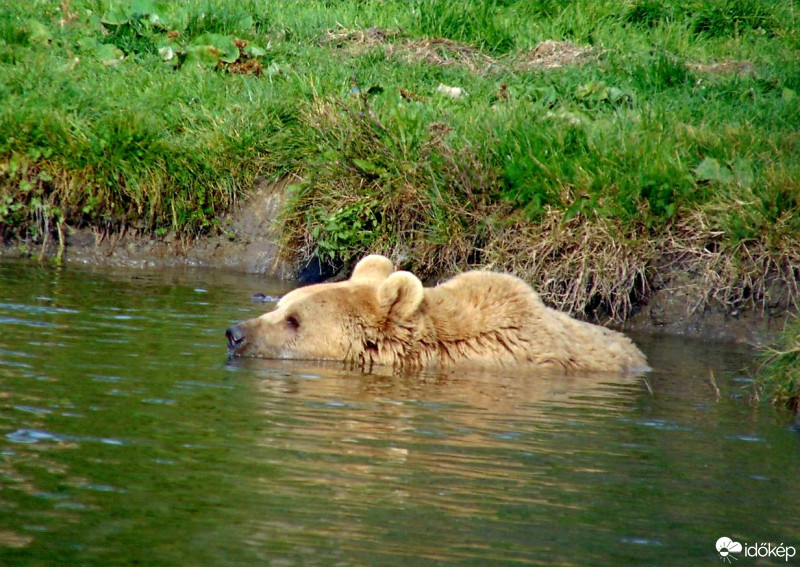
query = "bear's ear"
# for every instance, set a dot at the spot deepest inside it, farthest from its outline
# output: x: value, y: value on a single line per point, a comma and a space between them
x: 372, y: 268
x: 400, y: 296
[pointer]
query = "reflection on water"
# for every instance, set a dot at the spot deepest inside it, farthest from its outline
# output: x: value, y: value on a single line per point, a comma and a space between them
x: 126, y: 437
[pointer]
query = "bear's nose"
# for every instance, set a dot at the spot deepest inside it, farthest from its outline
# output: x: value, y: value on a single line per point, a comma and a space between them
x: 235, y: 336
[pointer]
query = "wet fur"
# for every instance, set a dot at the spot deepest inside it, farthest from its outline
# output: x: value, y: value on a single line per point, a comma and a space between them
x: 479, y: 319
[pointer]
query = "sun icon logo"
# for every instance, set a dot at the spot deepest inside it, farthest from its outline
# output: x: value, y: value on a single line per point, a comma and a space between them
x: 726, y: 546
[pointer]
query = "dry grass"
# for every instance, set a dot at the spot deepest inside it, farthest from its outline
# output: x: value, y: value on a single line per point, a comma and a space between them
x: 750, y: 273
x: 590, y: 267
x: 581, y: 265
x: 443, y: 52
x: 778, y: 377
x: 554, y: 55
x: 603, y: 269
x: 437, y: 51
x: 353, y: 39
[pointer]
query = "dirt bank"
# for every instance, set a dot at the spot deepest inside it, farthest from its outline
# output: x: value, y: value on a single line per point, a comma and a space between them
x: 676, y: 303
x: 249, y: 242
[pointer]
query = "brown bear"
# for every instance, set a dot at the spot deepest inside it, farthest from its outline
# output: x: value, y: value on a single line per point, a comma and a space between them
x: 479, y: 319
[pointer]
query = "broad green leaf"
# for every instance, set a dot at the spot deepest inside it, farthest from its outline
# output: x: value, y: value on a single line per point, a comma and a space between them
x: 169, y: 15
x: 143, y: 7
x: 245, y: 24
x: 223, y: 47
x: 788, y: 94
x: 615, y: 94
x: 255, y: 51
x: 109, y: 54
x: 618, y: 96
x: 710, y: 170
x: 593, y: 90
x: 118, y: 13
x: 201, y: 55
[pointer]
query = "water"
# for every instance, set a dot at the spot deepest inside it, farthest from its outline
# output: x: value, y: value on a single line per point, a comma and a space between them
x: 126, y: 437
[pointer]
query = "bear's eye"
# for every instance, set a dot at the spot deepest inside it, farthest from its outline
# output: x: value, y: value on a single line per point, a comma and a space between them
x: 292, y: 322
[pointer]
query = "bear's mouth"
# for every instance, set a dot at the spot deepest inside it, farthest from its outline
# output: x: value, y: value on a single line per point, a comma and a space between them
x: 236, y: 339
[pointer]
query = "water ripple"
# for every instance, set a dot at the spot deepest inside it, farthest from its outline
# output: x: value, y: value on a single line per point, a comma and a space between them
x: 32, y: 409
x: 37, y: 309
x: 747, y: 438
x: 34, y: 436
x: 27, y: 323
x: 38, y: 436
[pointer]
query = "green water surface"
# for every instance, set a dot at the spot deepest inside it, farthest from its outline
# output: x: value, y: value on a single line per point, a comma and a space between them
x: 128, y: 438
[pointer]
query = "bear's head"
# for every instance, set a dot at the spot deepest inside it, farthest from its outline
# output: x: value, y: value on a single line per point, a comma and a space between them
x: 349, y: 320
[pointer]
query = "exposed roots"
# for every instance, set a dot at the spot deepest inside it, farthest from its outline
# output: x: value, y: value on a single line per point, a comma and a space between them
x: 755, y: 273
x: 584, y: 266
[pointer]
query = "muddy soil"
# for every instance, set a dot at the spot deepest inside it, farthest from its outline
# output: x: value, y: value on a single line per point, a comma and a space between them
x: 250, y: 242
x: 676, y: 310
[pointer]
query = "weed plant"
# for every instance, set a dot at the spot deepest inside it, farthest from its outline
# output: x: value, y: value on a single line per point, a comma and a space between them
x: 779, y: 375
x: 593, y: 141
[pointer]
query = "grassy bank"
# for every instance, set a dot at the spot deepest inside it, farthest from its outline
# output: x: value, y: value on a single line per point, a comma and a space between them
x: 590, y: 144
x: 779, y: 376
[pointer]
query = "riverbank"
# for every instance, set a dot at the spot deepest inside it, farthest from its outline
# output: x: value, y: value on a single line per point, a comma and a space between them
x: 677, y: 302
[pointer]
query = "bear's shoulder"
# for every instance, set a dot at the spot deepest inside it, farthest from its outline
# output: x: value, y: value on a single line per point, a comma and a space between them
x: 489, y: 291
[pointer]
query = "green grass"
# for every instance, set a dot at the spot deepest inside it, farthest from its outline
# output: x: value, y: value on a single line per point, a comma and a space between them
x: 676, y: 132
x: 778, y: 378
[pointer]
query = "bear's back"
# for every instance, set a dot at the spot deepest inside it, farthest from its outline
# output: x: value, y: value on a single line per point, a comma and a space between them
x: 482, y: 318
x: 494, y: 318
x: 481, y: 302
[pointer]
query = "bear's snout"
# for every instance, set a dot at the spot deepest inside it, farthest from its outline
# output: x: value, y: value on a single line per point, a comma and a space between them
x: 236, y: 337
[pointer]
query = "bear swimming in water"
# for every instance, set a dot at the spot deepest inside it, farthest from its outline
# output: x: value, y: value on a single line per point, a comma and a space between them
x: 477, y: 319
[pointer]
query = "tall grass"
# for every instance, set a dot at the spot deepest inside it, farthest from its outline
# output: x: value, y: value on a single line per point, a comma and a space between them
x: 779, y: 376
